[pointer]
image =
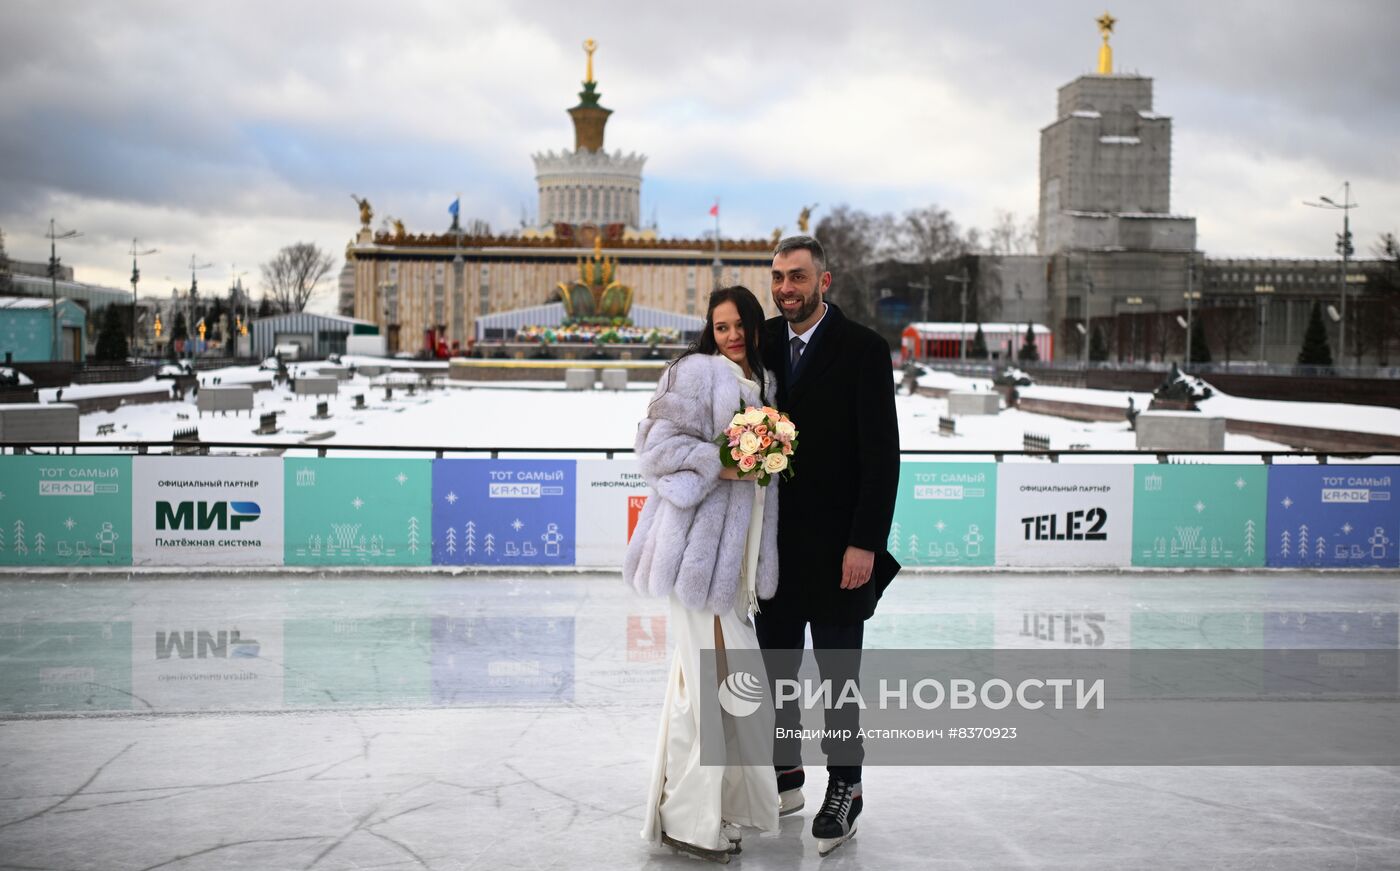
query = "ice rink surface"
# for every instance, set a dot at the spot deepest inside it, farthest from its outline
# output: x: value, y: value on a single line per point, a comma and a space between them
x: 437, y: 721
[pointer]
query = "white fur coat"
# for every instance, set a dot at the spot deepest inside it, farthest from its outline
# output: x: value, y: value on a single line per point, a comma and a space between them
x: 690, y: 536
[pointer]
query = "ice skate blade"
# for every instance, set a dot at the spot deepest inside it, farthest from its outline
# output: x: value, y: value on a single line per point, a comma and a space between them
x: 790, y: 802
x: 825, y: 846
x: 720, y: 856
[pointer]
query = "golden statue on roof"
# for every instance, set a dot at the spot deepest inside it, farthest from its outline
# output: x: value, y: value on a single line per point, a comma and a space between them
x: 1106, y: 23
x: 589, y: 46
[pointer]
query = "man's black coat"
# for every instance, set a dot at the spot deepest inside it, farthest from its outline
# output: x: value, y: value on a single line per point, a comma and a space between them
x: 846, y: 467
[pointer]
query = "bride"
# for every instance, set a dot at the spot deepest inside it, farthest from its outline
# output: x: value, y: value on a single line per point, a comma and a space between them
x: 706, y: 540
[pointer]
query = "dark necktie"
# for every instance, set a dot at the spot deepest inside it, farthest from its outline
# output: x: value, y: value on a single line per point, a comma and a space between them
x: 797, y: 347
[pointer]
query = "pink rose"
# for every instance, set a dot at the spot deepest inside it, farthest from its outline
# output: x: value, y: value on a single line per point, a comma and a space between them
x: 787, y: 450
x: 765, y: 442
x: 736, y: 454
x: 747, y: 462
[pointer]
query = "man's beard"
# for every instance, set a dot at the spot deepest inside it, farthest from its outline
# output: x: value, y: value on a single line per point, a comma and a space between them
x: 798, y: 315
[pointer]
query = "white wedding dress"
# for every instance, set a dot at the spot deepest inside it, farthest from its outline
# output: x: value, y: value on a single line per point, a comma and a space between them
x: 687, y: 800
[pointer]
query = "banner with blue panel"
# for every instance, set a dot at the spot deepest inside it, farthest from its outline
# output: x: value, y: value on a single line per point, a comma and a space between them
x: 504, y: 512
x: 1333, y: 516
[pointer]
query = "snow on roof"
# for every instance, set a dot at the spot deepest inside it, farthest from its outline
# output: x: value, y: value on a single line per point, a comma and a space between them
x: 1120, y: 140
x: 971, y: 327
x: 27, y: 302
x: 1085, y: 113
x: 338, y: 318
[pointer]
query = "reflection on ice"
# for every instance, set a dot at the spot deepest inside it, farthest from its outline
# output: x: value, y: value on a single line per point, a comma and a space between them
x: 294, y: 642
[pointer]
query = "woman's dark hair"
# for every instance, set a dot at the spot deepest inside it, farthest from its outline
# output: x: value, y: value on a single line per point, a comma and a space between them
x: 750, y: 315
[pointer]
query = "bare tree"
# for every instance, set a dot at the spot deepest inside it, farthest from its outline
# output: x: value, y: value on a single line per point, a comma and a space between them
x: 292, y: 276
x: 928, y: 235
x: 1231, y: 327
x: 1011, y: 235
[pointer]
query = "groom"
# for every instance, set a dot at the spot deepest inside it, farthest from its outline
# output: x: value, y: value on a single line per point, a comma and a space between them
x: 836, y: 382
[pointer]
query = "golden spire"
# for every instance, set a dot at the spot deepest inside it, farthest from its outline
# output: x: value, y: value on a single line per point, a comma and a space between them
x: 589, y: 46
x: 1106, y: 23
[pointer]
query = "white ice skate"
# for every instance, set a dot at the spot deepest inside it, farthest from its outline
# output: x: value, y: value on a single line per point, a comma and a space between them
x: 790, y: 799
x: 720, y: 856
x: 734, y: 835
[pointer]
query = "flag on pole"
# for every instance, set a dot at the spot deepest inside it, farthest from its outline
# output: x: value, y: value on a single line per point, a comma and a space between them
x: 714, y: 210
x: 455, y: 207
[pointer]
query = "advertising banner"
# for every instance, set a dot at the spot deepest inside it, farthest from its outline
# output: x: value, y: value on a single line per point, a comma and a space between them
x: 1333, y: 516
x: 207, y: 511
x: 503, y: 512
x: 358, y: 511
x: 489, y: 660
x: 65, y: 511
x: 611, y: 494
x: 945, y: 515
x: 1064, y: 515
x: 65, y: 667
x: 1204, y: 515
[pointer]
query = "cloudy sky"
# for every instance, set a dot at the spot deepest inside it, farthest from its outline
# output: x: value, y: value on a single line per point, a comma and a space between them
x: 226, y: 130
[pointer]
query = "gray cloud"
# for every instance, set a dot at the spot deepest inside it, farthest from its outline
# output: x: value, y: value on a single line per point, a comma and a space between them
x: 239, y: 128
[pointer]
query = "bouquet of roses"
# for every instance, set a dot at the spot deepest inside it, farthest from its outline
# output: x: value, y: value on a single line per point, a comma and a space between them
x: 759, y: 442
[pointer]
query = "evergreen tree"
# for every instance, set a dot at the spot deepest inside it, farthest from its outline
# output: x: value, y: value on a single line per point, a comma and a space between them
x: 1098, y: 346
x: 1029, y: 353
x: 111, y: 338
x: 178, y: 331
x: 1200, y: 351
x: 979, y: 345
x: 265, y: 307
x: 1316, y: 351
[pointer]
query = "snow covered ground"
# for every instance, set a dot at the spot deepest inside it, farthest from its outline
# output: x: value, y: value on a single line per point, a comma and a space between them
x: 543, y: 415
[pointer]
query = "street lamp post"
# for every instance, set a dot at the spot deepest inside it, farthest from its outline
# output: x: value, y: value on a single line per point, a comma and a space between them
x: 193, y: 296
x: 962, y: 279
x: 135, y: 278
x: 1088, y: 322
x: 1191, y: 294
x: 239, y: 297
x: 1343, y: 248
x: 54, y: 236
x: 925, y: 287
x: 1135, y: 302
x: 1262, y: 292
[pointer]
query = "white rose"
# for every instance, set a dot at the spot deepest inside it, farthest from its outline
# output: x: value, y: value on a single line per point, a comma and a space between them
x: 748, y: 443
x: 754, y: 416
x: 786, y: 429
x: 774, y: 463
x: 738, y: 420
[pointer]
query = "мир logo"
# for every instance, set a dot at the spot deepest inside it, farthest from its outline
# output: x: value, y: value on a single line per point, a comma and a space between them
x: 741, y: 694
x: 205, y: 515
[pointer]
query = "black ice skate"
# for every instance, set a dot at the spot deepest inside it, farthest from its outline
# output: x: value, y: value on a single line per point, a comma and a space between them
x: 720, y: 856
x: 835, y: 823
x: 790, y: 799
